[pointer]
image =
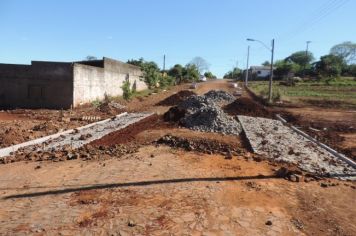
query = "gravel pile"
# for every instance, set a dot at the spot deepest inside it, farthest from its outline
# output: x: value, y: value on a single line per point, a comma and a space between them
x: 219, y: 96
x: 211, y: 119
x: 204, y: 113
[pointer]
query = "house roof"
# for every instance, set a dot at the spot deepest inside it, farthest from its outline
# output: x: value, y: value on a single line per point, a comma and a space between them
x: 260, y: 68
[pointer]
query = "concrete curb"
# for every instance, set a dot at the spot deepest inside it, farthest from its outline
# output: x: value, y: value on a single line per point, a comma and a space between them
x: 327, y: 148
x: 6, y: 151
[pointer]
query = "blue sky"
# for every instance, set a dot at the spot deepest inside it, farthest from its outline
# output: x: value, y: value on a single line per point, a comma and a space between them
x: 216, y: 30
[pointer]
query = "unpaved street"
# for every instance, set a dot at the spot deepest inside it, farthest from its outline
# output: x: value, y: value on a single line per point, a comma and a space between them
x: 163, y: 190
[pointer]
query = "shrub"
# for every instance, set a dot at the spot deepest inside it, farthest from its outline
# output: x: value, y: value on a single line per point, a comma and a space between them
x: 276, y: 94
x: 126, y: 90
x: 166, y: 81
x: 96, y: 103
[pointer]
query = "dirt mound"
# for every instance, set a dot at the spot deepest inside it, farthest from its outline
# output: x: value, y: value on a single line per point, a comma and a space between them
x: 200, y: 145
x: 111, y: 108
x: 127, y: 134
x: 248, y: 107
x: 176, y: 98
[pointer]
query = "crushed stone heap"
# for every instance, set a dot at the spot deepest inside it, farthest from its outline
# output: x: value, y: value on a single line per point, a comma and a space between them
x: 204, y: 113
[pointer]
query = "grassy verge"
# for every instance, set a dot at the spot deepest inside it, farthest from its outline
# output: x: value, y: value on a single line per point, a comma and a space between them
x: 338, y: 93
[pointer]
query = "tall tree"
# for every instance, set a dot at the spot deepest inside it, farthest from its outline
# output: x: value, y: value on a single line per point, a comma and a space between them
x: 345, y: 50
x: 301, y: 58
x: 200, y: 63
x: 330, y: 65
x: 266, y: 63
x: 191, y: 73
x: 235, y: 73
x: 177, y: 72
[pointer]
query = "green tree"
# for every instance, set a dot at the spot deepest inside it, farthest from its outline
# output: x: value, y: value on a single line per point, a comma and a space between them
x: 176, y: 72
x: 151, y: 72
x: 301, y: 58
x: 330, y: 65
x: 266, y: 63
x: 345, y: 50
x: 138, y: 62
x: 190, y: 73
x: 209, y: 75
x: 285, y: 68
x: 235, y: 73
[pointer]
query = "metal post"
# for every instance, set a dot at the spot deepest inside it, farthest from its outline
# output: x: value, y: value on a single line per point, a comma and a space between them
x: 271, y: 74
x: 248, y: 56
x: 164, y: 62
x: 306, y: 56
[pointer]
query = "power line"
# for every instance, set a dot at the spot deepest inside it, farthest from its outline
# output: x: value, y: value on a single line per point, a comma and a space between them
x: 318, y: 15
x: 326, y: 6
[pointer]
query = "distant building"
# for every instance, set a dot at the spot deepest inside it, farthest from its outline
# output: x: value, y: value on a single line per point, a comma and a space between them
x: 258, y: 72
x: 64, y: 84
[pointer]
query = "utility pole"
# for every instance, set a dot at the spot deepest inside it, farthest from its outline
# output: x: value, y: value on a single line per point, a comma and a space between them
x: 306, y: 57
x: 164, y: 62
x: 271, y: 74
x: 271, y: 71
x: 248, y: 57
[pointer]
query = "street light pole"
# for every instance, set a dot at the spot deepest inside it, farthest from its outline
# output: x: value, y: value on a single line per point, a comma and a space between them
x: 271, y: 71
x: 248, y: 56
x: 271, y: 74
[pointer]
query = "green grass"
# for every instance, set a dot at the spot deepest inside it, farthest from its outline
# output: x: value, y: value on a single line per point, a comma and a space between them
x: 340, y: 91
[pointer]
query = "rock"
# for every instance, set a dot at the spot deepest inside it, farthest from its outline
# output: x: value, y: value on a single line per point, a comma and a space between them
x: 131, y: 223
x: 293, y: 178
x: 282, y: 172
x: 323, y: 185
x: 228, y: 155
x: 268, y: 222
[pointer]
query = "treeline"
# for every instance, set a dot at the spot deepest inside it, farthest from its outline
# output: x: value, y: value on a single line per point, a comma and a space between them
x: 341, y: 61
x: 154, y: 77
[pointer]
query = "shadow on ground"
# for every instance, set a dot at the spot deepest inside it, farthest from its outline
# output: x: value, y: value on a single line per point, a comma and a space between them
x: 132, y: 184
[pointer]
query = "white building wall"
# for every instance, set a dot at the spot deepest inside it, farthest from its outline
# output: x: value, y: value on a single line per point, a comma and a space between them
x: 91, y: 83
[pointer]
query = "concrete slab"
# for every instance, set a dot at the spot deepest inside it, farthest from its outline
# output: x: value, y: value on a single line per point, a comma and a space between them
x: 74, y: 137
x: 279, y: 142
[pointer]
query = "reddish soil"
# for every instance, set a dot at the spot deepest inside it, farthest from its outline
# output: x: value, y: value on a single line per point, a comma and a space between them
x: 247, y: 106
x: 4, y: 116
x: 129, y: 133
x: 176, y: 98
x: 183, y: 190
x: 327, y: 103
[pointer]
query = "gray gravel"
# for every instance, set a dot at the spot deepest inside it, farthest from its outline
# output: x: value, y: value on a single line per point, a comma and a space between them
x: 211, y: 119
x: 219, y: 96
x: 80, y: 137
x: 204, y: 113
x: 279, y: 142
